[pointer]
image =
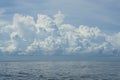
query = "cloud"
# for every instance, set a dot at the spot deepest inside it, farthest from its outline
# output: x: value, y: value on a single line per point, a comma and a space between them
x: 8, y: 46
x: 59, y: 17
x: 49, y: 36
x: 114, y: 40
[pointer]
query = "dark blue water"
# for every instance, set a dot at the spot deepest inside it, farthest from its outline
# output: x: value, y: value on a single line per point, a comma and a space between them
x: 60, y: 70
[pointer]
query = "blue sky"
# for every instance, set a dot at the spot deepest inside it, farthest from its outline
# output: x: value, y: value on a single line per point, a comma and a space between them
x: 101, y: 13
x: 60, y: 27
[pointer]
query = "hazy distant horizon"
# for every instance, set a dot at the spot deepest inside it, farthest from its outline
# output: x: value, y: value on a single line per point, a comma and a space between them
x: 29, y: 58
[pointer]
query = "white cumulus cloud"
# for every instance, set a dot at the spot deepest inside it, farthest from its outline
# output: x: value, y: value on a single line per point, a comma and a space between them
x: 48, y: 35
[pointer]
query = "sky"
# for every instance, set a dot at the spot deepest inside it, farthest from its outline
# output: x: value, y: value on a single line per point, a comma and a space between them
x: 60, y: 27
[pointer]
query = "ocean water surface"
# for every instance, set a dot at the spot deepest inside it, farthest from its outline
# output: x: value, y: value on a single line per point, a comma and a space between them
x: 60, y: 70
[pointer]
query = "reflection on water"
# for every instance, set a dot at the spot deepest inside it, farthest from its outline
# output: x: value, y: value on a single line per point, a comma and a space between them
x: 60, y: 70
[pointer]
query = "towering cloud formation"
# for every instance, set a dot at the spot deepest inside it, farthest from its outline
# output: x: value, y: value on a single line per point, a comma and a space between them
x: 51, y: 36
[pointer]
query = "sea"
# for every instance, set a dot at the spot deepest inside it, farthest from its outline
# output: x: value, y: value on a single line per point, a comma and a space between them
x: 59, y: 70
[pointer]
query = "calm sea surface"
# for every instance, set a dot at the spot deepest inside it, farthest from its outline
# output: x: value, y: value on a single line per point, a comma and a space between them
x: 64, y: 70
